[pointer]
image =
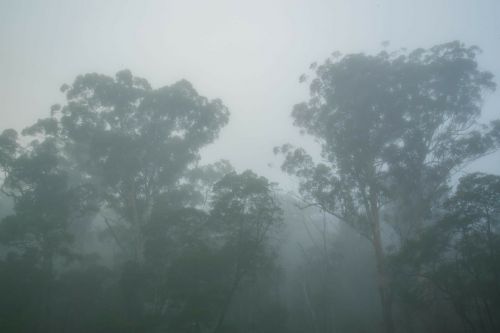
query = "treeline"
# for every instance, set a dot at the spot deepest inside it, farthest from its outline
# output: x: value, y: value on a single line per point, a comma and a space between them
x: 110, y: 224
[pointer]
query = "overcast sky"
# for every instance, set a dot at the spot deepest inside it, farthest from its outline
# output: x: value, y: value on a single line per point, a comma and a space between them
x: 248, y: 53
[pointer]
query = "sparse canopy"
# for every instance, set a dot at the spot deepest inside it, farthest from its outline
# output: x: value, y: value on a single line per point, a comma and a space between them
x: 379, y: 118
x: 392, y: 128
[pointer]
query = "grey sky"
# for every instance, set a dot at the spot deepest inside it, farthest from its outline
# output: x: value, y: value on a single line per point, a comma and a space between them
x: 249, y: 53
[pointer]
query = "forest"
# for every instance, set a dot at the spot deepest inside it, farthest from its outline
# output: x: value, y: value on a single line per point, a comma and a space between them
x: 111, y: 222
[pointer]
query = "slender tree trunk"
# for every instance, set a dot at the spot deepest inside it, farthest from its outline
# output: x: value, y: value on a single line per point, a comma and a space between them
x: 136, y: 224
x: 462, y: 314
x: 48, y: 269
x: 382, y: 275
x: 225, y: 306
x: 490, y: 316
x: 311, y: 309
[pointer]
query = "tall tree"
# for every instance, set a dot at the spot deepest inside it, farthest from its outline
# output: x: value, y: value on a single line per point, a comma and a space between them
x: 138, y: 147
x: 134, y: 142
x: 384, y: 121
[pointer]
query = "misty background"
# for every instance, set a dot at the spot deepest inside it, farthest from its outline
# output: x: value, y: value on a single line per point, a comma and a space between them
x: 248, y: 53
x: 109, y: 222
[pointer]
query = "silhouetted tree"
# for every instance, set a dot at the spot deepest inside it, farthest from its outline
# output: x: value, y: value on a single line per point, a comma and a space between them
x: 46, y: 206
x: 389, y: 122
x: 459, y: 256
x: 135, y: 142
x: 245, y: 214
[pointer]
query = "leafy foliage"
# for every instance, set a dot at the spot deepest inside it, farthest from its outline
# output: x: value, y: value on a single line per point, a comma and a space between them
x: 109, y: 223
x: 392, y: 128
x: 459, y: 255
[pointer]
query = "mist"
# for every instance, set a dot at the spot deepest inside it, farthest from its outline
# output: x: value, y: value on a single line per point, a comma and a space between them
x: 265, y: 166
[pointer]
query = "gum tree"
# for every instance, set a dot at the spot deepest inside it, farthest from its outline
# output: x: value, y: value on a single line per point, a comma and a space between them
x: 135, y: 143
x: 392, y: 127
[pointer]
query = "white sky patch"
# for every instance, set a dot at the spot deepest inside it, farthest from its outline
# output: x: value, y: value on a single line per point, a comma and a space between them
x: 248, y: 53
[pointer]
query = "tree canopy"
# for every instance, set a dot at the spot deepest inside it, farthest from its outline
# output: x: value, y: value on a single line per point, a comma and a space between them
x: 392, y: 129
x: 109, y: 221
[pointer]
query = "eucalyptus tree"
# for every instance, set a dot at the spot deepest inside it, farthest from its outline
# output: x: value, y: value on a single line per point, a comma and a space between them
x: 137, y: 149
x: 133, y: 142
x: 392, y: 127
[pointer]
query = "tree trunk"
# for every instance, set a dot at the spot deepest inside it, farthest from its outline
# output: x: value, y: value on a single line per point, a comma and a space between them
x: 382, y: 275
x: 136, y: 224
x: 45, y: 322
x: 225, y: 306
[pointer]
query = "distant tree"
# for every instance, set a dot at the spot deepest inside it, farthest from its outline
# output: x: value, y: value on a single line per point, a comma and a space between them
x: 46, y: 203
x: 392, y: 129
x: 244, y: 216
x: 459, y: 256
x: 182, y: 269
x: 198, y: 259
x: 8, y: 149
x: 37, y: 234
x: 330, y: 290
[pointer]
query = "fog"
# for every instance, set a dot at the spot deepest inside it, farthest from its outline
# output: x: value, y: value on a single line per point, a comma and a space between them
x: 250, y: 54
x: 333, y: 246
